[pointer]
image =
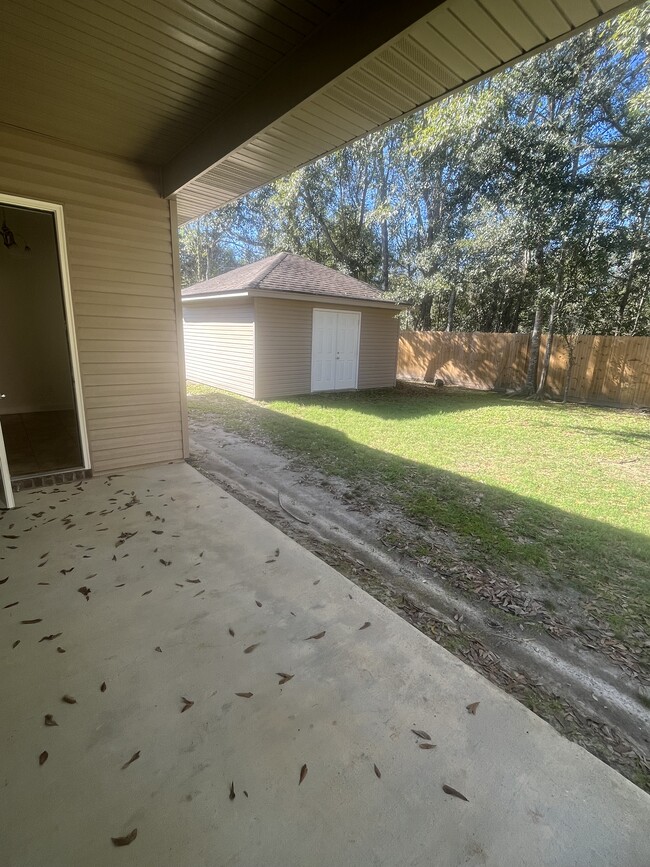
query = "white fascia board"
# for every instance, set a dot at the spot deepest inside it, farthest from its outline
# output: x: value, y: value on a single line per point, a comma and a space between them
x: 218, y: 297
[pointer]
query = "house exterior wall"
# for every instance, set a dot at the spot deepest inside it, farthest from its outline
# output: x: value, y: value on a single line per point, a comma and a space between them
x: 283, y: 346
x: 220, y: 345
x: 119, y: 240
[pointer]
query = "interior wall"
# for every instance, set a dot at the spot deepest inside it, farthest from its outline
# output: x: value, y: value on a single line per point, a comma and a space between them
x: 34, y: 357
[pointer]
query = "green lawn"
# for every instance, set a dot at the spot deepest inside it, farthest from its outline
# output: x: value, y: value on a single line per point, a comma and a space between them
x: 557, y: 494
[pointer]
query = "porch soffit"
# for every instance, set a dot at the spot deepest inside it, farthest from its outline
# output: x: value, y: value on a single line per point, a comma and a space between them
x: 224, y: 95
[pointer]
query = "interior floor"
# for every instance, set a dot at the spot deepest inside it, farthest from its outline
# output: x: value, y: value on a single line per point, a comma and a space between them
x: 41, y: 442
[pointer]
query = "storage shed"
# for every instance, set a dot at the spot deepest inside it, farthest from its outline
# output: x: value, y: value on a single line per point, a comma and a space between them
x: 286, y: 325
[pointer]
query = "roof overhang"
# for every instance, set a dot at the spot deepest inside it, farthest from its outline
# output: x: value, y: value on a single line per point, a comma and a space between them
x: 383, y: 67
x: 338, y: 300
x: 223, y: 97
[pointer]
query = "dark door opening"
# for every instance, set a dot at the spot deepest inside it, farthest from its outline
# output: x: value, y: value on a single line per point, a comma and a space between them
x: 38, y: 407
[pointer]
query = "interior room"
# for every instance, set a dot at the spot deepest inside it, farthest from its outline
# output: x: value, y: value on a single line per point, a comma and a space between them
x: 38, y: 412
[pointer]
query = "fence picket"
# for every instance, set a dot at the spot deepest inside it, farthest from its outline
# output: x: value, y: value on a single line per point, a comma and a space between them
x: 613, y: 371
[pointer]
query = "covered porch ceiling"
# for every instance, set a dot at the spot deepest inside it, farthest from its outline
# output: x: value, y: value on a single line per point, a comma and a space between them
x: 226, y: 96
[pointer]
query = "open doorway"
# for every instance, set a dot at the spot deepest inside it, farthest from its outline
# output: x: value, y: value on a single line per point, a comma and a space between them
x: 41, y: 417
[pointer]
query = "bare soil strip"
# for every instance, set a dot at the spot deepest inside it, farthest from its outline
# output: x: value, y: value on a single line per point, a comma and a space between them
x: 585, y: 688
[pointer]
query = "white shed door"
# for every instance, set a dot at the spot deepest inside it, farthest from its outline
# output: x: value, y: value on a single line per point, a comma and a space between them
x: 335, y: 350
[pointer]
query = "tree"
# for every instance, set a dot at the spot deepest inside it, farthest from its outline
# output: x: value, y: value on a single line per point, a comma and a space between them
x: 493, y: 210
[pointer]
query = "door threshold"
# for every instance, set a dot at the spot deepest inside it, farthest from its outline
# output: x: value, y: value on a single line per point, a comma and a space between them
x: 56, y: 477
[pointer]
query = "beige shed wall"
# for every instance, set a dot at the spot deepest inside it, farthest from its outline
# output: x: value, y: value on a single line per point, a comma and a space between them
x: 119, y: 238
x: 283, y: 346
x: 220, y: 345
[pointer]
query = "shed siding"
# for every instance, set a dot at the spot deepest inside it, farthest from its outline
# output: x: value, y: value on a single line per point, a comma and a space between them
x: 283, y: 346
x: 220, y: 345
x: 378, y: 350
x: 119, y: 239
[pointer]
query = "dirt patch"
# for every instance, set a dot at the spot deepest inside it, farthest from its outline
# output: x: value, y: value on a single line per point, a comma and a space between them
x: 587, y: 685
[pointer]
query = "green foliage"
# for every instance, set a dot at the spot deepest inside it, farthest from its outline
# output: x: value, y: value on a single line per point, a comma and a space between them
x: 523, y: 191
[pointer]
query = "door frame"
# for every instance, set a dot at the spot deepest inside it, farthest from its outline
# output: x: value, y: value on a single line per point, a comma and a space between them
x: 71, y: 331
x: 356, y: 313
x: 5, y: 478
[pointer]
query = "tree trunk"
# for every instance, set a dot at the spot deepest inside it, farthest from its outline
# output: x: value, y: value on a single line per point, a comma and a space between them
x: 424, y: 313
x: 384, y: 255
x: 383, y: 197
x: 547, y: 354
x: 533, y: 353
x: 571, y: 352
x: 450, y: 310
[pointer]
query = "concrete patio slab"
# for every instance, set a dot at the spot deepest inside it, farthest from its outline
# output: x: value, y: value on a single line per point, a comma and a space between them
x: 163, y: 588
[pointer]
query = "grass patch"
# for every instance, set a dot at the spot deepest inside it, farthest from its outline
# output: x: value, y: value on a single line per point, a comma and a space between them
x: 558, y: 491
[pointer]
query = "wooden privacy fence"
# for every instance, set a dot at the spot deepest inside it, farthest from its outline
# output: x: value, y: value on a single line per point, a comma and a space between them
x: 614, y: 371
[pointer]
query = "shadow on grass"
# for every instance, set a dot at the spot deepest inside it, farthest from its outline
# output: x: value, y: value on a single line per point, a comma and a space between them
x: 414, y: 401
x: 536, y: 542
x: 634, y: 438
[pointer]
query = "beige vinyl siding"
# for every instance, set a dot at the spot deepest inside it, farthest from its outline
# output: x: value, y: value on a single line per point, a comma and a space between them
x: 119, y: 240
x: 283, y: 346
x: 220, y: 345
x: 378, y: 349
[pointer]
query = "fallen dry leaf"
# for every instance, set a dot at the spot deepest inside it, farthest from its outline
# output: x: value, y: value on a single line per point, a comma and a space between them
x: 193, y: 580
x: 60, y: 650
x: 4, y: 580
x: 377, y: 772
x: 50, y: 637
x: 158, y: 649
x: 132, y: 759
x: 102, y: 688
x: 85, y: 591
x: 259, y: 604
x: 187, y: 704
x: 11, y: 605
x: 127, y: 840
x: 449, y: 791
x: 43, y: 757
x: 49, y: 720
x: 427, y: 746
x: 15, y: 644
x: 165, y: 562
x: 35, y: 620
x: 251, y: 648
x: 68, y: 699
x: 231, y: 796
x: 471, y: 708
x: 231, y: 632
x: 284, y: 678
x: 244, y: 694
x: 303, y: 774
x: 147, y: 592
x: 365, y: 625
x: 316, y: 637
x: 420, y: 734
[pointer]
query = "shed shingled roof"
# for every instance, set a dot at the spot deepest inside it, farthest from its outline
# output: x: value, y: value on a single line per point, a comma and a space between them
x: 287, y: 272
